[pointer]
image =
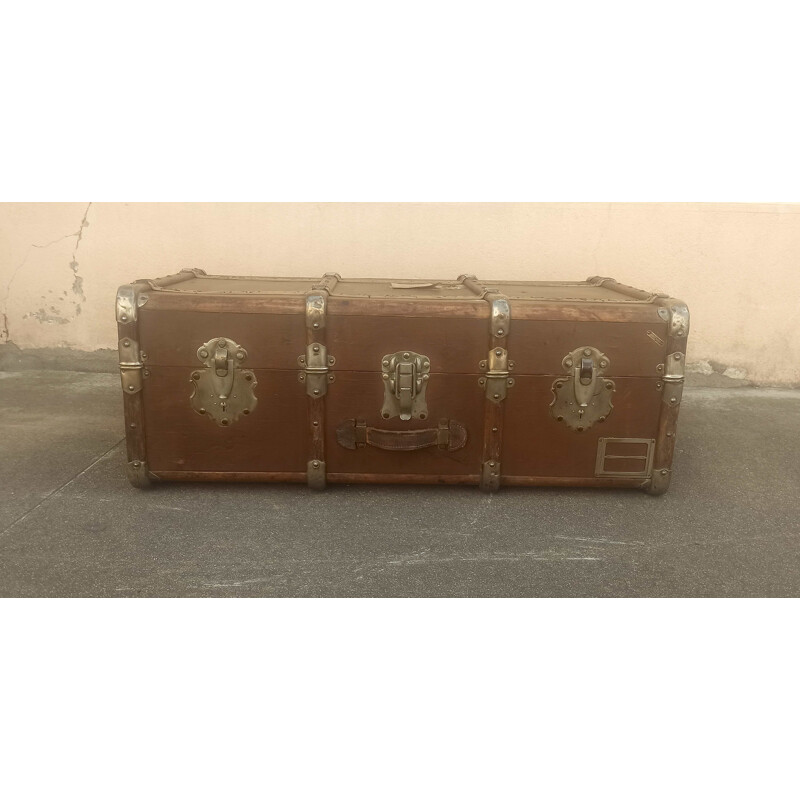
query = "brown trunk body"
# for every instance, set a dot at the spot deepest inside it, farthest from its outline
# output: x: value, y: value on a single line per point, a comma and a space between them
x: 266, y: 379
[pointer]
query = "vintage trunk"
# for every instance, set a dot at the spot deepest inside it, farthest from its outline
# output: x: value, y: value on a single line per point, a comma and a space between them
x: 378, y: 381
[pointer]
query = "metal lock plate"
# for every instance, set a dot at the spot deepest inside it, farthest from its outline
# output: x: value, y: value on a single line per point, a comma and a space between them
x: 583, y: 397
x: 223, y: 390
x: 405, y: 375
x: 315, y: 373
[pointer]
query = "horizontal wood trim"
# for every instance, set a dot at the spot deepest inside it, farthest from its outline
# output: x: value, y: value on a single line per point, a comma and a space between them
x: 415, y: 478
x: 607, y: 483
x: 234, y: 477
x: 240, y: 304
x: 583, y: 312
x: 405, y: 478
x: 472, y: 307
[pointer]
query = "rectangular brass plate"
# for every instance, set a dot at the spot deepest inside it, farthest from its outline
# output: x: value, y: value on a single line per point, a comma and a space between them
x: 624, y: 458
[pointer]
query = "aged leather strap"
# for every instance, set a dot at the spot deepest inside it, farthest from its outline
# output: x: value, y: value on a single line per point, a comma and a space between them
x: 353, y: 433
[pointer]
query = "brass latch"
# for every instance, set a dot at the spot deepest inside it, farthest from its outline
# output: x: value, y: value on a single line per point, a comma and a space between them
x: 497, y: 378
x: 316, y: 373
x: 584, y: 396
x: 223, y: 390
x: 405, y: 376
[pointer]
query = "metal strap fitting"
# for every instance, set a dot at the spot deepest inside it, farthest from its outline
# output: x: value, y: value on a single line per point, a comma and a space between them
x: 490, y: 476
x: 315, y: 371
x: 501, y: 315
x: 497, y: 378
x: 315, y: 472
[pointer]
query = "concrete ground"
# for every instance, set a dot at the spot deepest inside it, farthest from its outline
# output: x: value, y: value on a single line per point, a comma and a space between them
x: 71, y: 525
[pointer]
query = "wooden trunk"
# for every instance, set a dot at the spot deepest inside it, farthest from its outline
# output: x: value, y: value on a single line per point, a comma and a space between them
x: 378, y: 381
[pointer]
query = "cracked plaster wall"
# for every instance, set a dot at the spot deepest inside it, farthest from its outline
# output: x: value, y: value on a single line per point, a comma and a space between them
x: 736, y: 265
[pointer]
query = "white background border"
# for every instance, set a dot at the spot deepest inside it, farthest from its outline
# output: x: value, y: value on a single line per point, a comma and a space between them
x: 420, y: 101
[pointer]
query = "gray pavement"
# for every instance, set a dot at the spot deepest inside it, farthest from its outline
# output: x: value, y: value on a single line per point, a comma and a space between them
x: 71, y: 525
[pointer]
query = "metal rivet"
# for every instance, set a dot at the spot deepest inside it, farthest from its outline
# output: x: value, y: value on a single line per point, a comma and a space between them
x: 664, y: 471
x: 491, y: 463
x: 331, y: 378
x: 202, y: 411
x: 385, y: 363
x: 604, y: 363
x: 481, y: 381
x: 137, y: 464
x: 316, y: 391
x: 496, y: 396
x: 677, y: 356
x: 316, y: 325
x: 568, y: 362
x: 245, y: 411
x: 196, y: 375
x: 126, y: 343
x: 315, y: 348
x: 587, y: 352
x: 133, y: 424
x: 315, y: 424
x: 673, y: 400
x: 669, y: 435
x: 147, y: 373
x: 301, y: 377
x: 510, y: 381
x: 224, y: 421
x: 406, y: 355
x: 494, y: 430
x: 315, y: 464
x: 660, y: 368
x: 222, y: 343
x: 240, y: 356
x: 203, y: 354
x: 500, y: 331
x: 498, y: 352
x: 131, y: 387
x: 124, y: 318
x: 425, y: 377
x: 482, y: 365
x: 609, y: 385
x: 602, y: 419
x: 385, y: 376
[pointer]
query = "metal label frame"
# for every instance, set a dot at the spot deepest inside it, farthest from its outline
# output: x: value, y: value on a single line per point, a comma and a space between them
x: 600, y: 470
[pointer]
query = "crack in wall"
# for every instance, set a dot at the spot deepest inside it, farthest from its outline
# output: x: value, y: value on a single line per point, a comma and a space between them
x: 77, y: 283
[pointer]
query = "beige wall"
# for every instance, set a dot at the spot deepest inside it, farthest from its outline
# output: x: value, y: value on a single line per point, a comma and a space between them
x: 736, y: 265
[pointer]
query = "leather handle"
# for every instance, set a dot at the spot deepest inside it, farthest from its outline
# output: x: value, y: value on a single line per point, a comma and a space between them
x: 353, y: 433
